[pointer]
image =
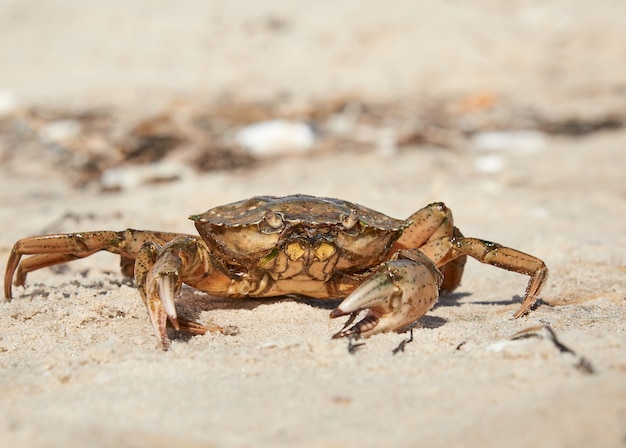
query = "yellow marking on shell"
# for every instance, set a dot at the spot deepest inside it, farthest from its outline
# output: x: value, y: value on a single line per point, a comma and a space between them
x: 324, y: 251
x: 295, y: 251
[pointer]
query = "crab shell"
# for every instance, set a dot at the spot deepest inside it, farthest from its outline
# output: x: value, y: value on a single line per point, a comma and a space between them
x: 338, y: 235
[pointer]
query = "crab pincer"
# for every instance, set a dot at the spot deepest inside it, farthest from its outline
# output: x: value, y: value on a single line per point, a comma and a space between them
x: 402, y: 291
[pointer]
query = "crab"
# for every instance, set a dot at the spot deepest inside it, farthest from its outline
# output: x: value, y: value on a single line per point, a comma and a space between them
x: 386, y: 270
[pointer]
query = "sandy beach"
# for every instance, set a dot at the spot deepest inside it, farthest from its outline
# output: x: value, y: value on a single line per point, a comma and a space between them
x: 511, y: 114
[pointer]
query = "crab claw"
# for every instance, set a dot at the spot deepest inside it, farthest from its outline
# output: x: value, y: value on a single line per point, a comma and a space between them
x: 162, y: 284
x: 168, y: 285
x: 401, y: 292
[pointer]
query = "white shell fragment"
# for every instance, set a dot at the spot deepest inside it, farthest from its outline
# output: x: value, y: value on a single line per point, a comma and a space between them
x: 489, y: 163
x: 528, y: 142
x: 133, y: 176
x: 60, y: 131
x: 273, y: 137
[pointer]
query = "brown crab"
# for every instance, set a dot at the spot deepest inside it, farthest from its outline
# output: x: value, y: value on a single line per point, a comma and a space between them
x: 270, y: 246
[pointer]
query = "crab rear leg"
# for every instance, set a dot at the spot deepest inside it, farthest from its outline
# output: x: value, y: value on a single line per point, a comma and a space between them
x: 50, y: 250
x: 160, y: 273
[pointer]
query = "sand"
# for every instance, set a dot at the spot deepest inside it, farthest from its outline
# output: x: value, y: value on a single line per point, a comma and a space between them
x: 78, y: 361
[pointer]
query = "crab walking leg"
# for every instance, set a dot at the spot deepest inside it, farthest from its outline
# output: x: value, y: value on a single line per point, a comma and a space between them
x: 511, y: 260
x: 445, y: 250
x: 452, y: 272
x: 432, y: 223
x: 433, y: 232
x: 159, y: 275
x: 37, y: 262
x: 401, y: 292
x: 49, y: 250
x: 146, y: 258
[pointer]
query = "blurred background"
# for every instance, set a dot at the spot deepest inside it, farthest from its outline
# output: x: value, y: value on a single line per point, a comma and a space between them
x: 105, y: 85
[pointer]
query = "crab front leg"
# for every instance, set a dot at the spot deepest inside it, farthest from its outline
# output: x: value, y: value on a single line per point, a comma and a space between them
x: 397, y: 295
x: 160, y: 273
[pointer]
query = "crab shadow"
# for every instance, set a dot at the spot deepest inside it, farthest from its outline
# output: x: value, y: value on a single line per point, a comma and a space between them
x: 454, y: 299
x: 192, y: 303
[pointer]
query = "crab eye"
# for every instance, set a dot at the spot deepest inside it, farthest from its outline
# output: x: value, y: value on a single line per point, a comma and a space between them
x: 351, y: 220
x: 272, y: 219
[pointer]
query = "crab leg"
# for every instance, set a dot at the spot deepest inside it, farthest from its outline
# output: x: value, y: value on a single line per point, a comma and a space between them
x: 401, y: 292
x: 431, y: 223
x: 433, y: 232
x: 143, y: 263
x: 49, y: 250
x: 446, y: 249
x: 159, y: 275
